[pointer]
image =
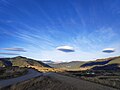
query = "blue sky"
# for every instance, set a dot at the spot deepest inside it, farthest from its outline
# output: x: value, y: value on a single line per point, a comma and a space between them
x: 39, y: 26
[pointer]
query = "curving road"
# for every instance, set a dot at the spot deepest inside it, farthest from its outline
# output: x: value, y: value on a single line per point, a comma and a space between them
x: 78, y: 83
x: 31, y: 74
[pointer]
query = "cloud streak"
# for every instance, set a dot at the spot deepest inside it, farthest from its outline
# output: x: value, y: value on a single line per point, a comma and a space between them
x: 2, y: 53
x: 14, y: 49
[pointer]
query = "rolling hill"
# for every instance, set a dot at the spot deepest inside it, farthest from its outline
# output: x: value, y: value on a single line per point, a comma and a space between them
x: 21, y: 62
x: 5, y: 62
x: 107, y: 63
x: 103, y: 64
x: 107, y: 67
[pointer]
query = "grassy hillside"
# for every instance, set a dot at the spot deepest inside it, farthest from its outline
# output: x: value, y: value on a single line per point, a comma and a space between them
x: 102, y: 63
x: 22, y: 62
x: 30, y: 63
x: 12, y: 72
x: 90, y: 64
x: 1, y: 63
x: 5, y: 62
x: 107, y: 67
x: 106, y: 61
x: 115, y: 61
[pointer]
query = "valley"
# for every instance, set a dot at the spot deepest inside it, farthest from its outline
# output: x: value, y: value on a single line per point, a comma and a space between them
x: 102, y: 73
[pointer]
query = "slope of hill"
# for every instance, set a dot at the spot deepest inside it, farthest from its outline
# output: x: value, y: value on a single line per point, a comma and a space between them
x: 107, y: 67
x: 68, y: 65
x: 1, y: 63
x: 30, y: 63
x: 21, y: 62
x: 107, y: 63
x: 5, y: 62
x: 95, y: 63
x: 115, y: 61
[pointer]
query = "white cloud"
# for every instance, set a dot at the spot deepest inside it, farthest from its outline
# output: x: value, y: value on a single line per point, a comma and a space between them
x: 65, y: 48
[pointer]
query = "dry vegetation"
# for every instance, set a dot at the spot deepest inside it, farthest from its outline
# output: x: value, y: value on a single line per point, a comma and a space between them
x: 12, y: 72
x: 112, y: 81
x: 41, y: 83
x: 1, y: 63
x: 45, y: 69
x: 104, y: 77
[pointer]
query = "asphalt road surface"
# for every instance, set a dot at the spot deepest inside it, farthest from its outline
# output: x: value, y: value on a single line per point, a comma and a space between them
x: 31, y: 74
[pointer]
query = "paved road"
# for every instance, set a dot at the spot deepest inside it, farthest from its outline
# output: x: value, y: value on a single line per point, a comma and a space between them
x: 31, y: 74
x: 78, y: 83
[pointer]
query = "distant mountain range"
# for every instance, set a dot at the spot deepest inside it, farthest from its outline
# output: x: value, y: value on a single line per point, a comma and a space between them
x: 67, y: 65
x: 112, y: 63
x: 99, y: 64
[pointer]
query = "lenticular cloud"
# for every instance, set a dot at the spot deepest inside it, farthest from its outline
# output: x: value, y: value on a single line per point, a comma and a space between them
x: 65, y: 48
x: 108, y: 50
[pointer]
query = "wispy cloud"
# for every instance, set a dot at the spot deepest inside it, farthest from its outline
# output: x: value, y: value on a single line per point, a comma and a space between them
x: 79, y: 24
x: 88, y: 46
x: 14, y: 49
x: 2, y: 53
x: 32, y: 36
x: 95, y: 40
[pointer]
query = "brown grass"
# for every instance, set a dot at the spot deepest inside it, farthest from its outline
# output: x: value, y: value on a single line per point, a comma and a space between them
x: 12, y: 72
x: 45, y: 69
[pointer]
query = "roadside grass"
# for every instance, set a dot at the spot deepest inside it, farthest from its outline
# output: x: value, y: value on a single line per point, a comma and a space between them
x: 12, y: 72
x: 46, y: 69
x: 107, y: 78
